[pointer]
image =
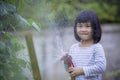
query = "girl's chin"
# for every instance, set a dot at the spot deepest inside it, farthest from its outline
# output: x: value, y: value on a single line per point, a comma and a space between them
x: 85, y: 38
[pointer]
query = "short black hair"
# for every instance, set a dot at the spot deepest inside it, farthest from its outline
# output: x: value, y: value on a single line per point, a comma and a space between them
x: 89, y: 16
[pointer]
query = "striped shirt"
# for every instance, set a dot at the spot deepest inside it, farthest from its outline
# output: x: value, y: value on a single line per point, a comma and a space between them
x: 91, y: 59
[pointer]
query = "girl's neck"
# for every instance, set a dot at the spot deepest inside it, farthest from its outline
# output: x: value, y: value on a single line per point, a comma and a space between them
x: 86, y: 43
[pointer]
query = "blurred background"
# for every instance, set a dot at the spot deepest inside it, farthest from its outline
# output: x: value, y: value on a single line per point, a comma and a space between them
x: 50, y: 22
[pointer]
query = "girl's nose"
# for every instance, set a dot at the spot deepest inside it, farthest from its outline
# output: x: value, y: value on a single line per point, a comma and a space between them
x: 83, y: 28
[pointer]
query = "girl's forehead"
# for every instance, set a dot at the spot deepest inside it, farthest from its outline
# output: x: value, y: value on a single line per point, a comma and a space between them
x: 84, y: 23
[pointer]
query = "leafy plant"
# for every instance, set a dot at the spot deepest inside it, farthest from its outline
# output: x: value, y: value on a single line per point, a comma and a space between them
x: 11, y: 67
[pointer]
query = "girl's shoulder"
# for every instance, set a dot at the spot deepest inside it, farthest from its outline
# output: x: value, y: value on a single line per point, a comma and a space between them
x: 98, y: 46
x: 75, y: 45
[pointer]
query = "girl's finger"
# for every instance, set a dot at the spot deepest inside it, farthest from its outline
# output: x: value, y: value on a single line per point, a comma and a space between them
x: 71, y: 68
x: 72, y: 74
x: 70, y: 71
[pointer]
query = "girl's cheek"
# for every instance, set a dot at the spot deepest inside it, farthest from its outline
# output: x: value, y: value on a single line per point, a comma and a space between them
x: 78, y: 29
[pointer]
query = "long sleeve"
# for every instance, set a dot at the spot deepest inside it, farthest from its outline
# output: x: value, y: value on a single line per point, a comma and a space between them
x: 100, y: 63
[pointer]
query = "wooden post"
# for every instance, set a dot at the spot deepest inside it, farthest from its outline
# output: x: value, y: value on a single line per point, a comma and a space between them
x: 72, y: 78
x: 32, y: 55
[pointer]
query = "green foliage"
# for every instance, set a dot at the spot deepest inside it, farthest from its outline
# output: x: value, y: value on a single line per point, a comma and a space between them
x: 10, y: 20
x: 31, y: 21
x: 19, y: 4
x: 113, y: 75
x: 105, y: 15
x: 11, y: 66
x: 63, y: 12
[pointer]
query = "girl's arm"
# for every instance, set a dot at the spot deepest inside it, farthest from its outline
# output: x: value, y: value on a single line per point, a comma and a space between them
x: 100, y: 63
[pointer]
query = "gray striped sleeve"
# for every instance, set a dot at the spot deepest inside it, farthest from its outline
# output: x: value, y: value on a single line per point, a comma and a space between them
x: 99, y: 65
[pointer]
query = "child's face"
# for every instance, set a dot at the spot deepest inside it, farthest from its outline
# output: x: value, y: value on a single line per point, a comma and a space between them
x: 84, y: 31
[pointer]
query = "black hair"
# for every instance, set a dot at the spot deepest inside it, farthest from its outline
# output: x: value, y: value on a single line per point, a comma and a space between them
x: 89, y: 16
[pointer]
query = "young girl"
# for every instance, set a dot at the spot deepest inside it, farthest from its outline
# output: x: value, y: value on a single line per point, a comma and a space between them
x: 87, y: 55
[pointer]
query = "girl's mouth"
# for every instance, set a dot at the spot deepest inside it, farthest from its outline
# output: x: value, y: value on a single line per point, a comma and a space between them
x: 83, y: 33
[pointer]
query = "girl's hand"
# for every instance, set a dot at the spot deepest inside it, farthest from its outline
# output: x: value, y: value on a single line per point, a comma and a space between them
x: 73, y: 71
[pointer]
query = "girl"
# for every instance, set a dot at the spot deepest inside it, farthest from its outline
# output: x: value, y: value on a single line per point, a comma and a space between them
x: 87, y: 55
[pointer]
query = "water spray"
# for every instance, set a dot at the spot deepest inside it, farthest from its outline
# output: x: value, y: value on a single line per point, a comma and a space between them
x: 64, y: 55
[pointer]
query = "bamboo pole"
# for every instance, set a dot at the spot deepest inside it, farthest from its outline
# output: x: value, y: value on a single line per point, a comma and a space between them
x: 32, y: 55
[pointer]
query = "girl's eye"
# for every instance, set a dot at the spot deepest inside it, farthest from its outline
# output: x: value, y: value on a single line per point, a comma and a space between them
x: 79, y: 26
x: 87, y: 26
